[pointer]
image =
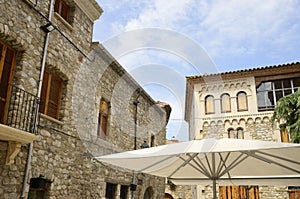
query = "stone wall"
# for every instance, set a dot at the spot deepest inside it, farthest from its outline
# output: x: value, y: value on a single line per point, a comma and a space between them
x: 64, y: 150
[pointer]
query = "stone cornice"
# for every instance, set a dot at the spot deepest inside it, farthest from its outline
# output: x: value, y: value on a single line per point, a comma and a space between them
x: 90, y: 8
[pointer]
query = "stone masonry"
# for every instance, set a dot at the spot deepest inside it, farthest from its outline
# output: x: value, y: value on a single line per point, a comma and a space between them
x: 64, y: 150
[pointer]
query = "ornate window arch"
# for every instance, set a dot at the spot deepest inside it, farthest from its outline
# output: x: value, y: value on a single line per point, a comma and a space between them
x: 242, y: 101
x: 231, y: 133
x: 225, y: 103
x: 240, y: 133
x: 209, y: 104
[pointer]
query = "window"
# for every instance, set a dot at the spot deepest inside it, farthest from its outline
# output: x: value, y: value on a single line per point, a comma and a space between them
x: 62, y: 9
x: 148, y: 193
x: 231, y: 133
x: 152, y: 140
x: 103, y: 119
x: 51, y: 94
x: 225, y: 103
x: 242, y: 103
x: 209, y: 104
x: 124, y: 192
x: 7, y: 62
x: 240, y: 133
x: 111, y: 190
x: 268, y: 93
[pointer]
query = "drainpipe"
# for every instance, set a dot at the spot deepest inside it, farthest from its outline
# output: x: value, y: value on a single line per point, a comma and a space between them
x: 40, y: 82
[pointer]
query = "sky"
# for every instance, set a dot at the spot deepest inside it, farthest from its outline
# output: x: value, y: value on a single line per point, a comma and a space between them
x: 161, y: 42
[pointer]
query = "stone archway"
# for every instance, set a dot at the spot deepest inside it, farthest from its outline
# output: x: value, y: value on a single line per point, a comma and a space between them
x: 148, y: 193
x: 168, y: 196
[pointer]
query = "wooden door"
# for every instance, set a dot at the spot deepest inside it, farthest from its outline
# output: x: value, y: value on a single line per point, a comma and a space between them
x: 7, y: 62
x: 238, y: 192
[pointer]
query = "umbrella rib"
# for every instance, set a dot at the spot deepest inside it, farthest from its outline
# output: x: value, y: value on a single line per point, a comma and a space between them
x: 154, y: 164
x: 281, y: 158
x: 233, y: 164
x: 222, y: 164
x: 201, y: 168
x: 271, y: 162
x: 207, y: 161
x: 185, y: 162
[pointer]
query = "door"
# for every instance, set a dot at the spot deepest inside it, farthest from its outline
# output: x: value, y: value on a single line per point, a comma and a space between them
x: 7, y: 61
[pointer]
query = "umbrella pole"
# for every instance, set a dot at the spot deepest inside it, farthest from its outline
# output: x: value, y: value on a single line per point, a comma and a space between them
x: 214, y: 176
x: 214, y: 188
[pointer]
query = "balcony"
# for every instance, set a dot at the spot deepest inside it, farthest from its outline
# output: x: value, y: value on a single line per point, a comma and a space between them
x: 18, y: 125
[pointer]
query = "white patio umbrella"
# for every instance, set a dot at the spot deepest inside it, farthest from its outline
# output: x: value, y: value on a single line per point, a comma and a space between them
x: 223, y: 161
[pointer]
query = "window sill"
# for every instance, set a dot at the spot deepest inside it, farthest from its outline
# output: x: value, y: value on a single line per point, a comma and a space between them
x: 67, y: 24
x: 51, y: 119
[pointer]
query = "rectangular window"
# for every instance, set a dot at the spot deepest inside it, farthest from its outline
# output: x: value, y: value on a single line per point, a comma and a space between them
x: 111, y: 191
x: 275, y: 90
x: 7, y: 62
x: 102, y: 131
x: 51, y: 94
x: 62, y: 8
x: 124, y: 192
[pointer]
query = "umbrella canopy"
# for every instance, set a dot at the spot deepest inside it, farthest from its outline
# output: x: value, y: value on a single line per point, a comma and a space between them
x: 224, y: 161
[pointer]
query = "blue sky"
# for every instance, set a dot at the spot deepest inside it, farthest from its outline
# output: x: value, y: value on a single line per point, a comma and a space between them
x: 229, y: 35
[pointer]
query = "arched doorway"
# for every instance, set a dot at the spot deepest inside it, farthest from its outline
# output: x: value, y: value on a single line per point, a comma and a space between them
x: 148, y: 193
x: 168, y: 196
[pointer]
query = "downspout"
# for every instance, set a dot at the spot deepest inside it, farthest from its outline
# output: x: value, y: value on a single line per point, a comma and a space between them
x: 40, y: 82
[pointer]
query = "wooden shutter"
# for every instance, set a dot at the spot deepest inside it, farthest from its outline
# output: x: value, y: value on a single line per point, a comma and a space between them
x: 51, y: 94
x: 44, y: 94
x: 56, y: 6
x: 54, y: 97
x: 7, y: 62
x: 104, y: 121
x: 64, y: 11
x: 209, y: 104
x: 284, y: 135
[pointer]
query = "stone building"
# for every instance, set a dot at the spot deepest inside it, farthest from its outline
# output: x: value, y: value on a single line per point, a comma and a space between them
x: 239, y: 105
x: 63, y: 100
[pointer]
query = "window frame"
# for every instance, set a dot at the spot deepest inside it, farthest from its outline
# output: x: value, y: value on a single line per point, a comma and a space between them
x: 239, y: 101
x: 223, y: 103
x: 6, y: 92
x: 209, y: 102
x: 59, y: 6
x: 49, y: 80
x: 103, y: 119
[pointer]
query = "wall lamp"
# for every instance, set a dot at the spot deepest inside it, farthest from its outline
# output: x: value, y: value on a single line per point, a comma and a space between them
x: 49, y: 27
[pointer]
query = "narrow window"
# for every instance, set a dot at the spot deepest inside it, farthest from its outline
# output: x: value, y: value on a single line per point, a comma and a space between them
x: 231, y: 133
x: 152, y: 140
x: 225, y: 103
x: 111, y: 190
x: 62, y: 9
x: 124, y: 192
x: 103, y: 119
x: 51, y: 94
x: 242, y: 103
x: 240, y: 133
x: 7, y: 62
x: 209, y: 104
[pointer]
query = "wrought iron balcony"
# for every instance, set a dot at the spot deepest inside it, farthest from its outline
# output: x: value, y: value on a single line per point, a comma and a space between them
x: 22, y: 113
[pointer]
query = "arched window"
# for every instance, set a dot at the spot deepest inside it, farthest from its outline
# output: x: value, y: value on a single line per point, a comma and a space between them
x: 148, y: 193
x: 225, y: 103
x: 240, y: 133
x: 242, y: 103
x: 230, y: 133
x: 209, y: 104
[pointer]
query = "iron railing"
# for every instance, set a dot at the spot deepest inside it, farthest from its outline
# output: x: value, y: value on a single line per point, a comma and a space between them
x: 22, y: 111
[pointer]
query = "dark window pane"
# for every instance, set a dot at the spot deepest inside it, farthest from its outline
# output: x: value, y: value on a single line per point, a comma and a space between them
x: 279, y: 95
x: 270, y: 98
x: 287, y: 92
x: 286, y: 83
x: 278, y: 84
x: 296, y: 82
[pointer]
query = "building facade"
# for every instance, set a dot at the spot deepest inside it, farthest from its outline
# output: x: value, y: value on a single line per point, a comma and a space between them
x: 239, y: 105
x: 64, y: 100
